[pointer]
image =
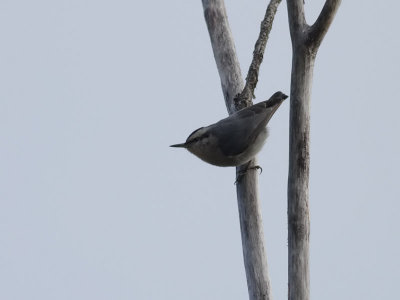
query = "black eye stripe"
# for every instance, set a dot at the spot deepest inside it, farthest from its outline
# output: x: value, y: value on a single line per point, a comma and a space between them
x: 206, y: 135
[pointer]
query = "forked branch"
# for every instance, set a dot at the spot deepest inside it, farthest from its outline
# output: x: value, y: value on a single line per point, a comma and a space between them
x: 318, y: 30
x: 305, y: 43
x: 301, y: 32
x: 247, y: 189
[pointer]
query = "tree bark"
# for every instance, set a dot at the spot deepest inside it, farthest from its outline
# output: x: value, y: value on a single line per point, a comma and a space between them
x: 305, y: 42
x: 233, y: 88
x: 299, y: 158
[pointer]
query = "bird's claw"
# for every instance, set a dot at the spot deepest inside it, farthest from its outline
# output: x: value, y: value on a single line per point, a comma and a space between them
x: 240, y: 174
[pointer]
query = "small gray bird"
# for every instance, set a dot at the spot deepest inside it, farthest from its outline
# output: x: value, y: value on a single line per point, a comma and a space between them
x: 236, y: 139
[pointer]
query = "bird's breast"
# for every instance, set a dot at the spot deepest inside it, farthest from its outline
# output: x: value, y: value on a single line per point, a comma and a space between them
x: 208, y: 150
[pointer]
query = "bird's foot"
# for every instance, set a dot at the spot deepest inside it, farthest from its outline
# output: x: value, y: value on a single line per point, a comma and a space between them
x: 240, y: 174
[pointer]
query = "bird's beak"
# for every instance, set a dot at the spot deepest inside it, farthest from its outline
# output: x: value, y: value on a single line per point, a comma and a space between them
x: 285, y: 96
x: 183, y: 145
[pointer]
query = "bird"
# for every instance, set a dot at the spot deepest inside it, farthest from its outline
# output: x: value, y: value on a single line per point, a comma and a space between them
x: 237, y: 139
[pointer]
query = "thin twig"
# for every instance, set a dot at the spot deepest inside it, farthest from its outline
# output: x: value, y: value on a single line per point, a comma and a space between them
x: 245, y: 97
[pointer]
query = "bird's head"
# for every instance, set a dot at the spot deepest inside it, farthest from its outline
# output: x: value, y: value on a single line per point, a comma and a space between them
x: 196, y: 137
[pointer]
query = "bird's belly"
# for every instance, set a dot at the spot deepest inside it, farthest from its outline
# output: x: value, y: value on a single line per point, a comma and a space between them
x: 253, y: 149
x: 215, y: 157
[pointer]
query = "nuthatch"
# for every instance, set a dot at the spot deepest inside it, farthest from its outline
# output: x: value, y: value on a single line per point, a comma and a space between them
x: 236, y: 139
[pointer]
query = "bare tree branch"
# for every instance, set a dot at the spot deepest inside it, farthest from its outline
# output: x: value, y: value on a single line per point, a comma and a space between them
x: 305, y: 43
x: 224, y: 51
x: 252, y: 233
x: 298, y: 179
x: 247, y: 188
x: 245, y: 97
x: 297, y: 20
x: 318, y: 30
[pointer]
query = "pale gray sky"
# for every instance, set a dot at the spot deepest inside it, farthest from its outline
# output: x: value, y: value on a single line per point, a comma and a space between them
x: 95, y: 205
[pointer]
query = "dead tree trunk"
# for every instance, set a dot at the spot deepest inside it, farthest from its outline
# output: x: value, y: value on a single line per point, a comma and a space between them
x: 237, y: 95
x: 305, y: 42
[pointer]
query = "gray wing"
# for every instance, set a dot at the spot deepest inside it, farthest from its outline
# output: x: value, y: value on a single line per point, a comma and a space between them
x: 236, y: 132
